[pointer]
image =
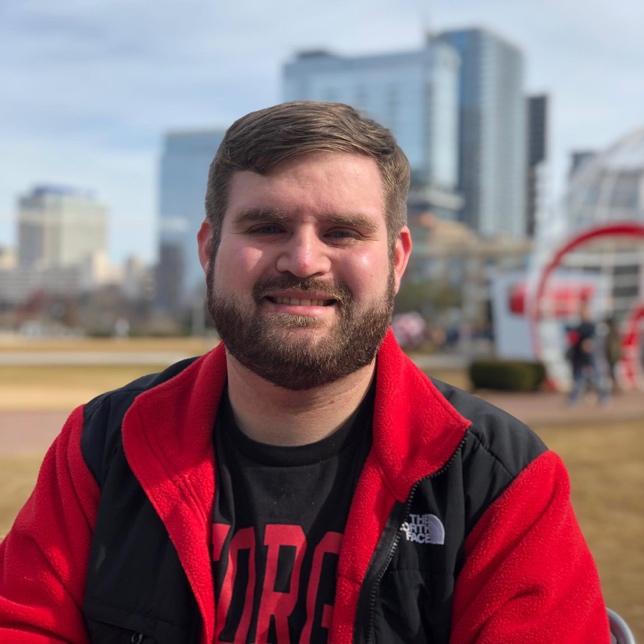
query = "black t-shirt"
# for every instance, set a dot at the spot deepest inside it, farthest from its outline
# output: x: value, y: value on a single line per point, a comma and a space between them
x: 279, y: 517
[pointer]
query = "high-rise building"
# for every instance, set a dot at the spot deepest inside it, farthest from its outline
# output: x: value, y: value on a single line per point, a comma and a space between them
x: 185, y: 161
x: 59, y: 227
x: 7, y: 258
x: 578, y: 158
x: 412, y: 93
x: 537, y: 111
x: 492, y: 152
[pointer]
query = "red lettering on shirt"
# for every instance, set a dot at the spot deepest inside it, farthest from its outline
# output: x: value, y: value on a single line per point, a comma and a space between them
x: 330, y: 544
x: 279, y: 605
x: 274, y: 605
x: 242, y: 540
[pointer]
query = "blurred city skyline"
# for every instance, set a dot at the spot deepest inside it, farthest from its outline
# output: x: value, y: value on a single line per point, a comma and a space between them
x: 90, y: 89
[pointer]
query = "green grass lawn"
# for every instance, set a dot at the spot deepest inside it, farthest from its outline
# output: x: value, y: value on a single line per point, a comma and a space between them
x: 61, y: 388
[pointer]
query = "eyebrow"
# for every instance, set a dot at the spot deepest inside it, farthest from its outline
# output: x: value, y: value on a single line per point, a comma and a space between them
x: 352, y: 220
x: 255, y: 215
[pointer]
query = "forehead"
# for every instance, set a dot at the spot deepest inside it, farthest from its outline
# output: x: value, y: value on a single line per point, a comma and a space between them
x: 320, y: 183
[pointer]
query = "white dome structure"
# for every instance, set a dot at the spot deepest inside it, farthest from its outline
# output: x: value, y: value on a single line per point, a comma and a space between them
x: 609, y: 186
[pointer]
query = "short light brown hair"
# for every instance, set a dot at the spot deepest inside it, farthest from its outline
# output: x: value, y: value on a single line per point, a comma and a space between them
x: 262, y: 140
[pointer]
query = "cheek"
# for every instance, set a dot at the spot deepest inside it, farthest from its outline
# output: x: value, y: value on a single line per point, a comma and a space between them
x: 238, y: 265
x: 366, y: 273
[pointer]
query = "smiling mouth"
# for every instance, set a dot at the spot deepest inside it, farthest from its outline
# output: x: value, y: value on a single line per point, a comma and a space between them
x: 296, y: 301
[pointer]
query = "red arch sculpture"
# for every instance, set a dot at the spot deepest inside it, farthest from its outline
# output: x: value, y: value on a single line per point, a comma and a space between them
x: 630, y: 344
x: 616, y: 229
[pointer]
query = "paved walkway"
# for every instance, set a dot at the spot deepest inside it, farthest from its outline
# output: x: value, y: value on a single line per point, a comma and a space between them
x: 540, y: 409
x: 30, y: 432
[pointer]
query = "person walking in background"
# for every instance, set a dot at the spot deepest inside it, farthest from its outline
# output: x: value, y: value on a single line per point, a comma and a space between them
x: 612, y: 351
x: 583, y: 358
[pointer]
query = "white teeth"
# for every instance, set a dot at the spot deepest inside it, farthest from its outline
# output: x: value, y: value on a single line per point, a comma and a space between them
x: 296, y: 302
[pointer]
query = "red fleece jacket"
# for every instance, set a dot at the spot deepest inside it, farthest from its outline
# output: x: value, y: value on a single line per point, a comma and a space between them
x: 528, y: 575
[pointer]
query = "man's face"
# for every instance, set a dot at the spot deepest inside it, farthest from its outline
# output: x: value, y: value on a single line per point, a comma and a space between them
x: 301, y: 286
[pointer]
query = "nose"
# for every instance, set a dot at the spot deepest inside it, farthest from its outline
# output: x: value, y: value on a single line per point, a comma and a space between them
x: 304, y: 254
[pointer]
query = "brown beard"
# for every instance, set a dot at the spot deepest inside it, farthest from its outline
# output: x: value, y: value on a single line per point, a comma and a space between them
x: 261, y: 341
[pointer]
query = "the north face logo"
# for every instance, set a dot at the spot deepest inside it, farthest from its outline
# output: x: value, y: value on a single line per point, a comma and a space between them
x: 424, y: 528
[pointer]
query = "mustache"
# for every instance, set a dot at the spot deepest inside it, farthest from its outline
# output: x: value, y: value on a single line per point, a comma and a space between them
x: 266, y: 285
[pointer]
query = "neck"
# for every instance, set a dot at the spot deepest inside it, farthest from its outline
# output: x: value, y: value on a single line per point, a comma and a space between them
x: 277, y: 416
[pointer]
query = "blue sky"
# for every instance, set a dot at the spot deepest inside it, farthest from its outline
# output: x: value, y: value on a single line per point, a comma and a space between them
x: 89, y: 87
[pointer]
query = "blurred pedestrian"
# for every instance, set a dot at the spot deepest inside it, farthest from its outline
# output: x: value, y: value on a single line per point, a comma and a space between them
x: 582, y: 354
x: 612, y: 351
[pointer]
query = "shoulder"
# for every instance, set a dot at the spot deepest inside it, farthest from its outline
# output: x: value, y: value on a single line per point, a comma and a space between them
x: 103, y: 417
x: 493, y: 431
x: 497, y: 449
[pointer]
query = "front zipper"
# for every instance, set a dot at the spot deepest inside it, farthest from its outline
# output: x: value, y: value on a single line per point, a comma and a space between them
x: 396, y: 540
x: 390, y: 555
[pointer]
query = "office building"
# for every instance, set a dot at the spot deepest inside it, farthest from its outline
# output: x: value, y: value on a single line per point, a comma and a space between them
x: 7, y: 258
x: 59, y: 227
x: 492, y: 124
x: 577, y: 159
x: 185, y: 161
x: 536, y: 179
x: 412, y: 93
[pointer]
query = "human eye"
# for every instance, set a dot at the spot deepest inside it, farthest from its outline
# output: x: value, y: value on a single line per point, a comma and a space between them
x: 342, y: 234
x: 267, y: 228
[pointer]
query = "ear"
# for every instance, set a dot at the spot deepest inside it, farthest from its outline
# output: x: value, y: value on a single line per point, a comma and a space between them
x: 204, y: 243
x: 402, y: 251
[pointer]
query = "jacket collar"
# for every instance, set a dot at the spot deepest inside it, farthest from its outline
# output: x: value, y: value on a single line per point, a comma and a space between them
x: 167, y: 438
x: 415, y: 429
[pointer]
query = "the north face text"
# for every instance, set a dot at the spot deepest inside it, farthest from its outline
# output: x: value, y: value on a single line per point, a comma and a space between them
x: 424, y: 528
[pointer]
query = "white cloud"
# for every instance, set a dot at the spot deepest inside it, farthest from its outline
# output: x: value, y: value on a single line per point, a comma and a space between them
x: 89, y: 86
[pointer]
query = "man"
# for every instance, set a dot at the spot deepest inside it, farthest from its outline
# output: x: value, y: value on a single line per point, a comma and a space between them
x: 583, y: 358
x: 304, y: 481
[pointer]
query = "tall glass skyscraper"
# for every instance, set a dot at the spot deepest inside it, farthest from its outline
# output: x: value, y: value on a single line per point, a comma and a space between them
x: 492, y: 119
x: 412, y: 93
x: 185, y: 161
x: 536, y: 185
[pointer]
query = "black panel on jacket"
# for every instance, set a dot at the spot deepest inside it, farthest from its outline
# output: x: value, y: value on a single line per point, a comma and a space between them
x: 104, y: 414
x: 509, y: 440
x: 136, y: 588
x: 413, y: 600
x: 135, y: 582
